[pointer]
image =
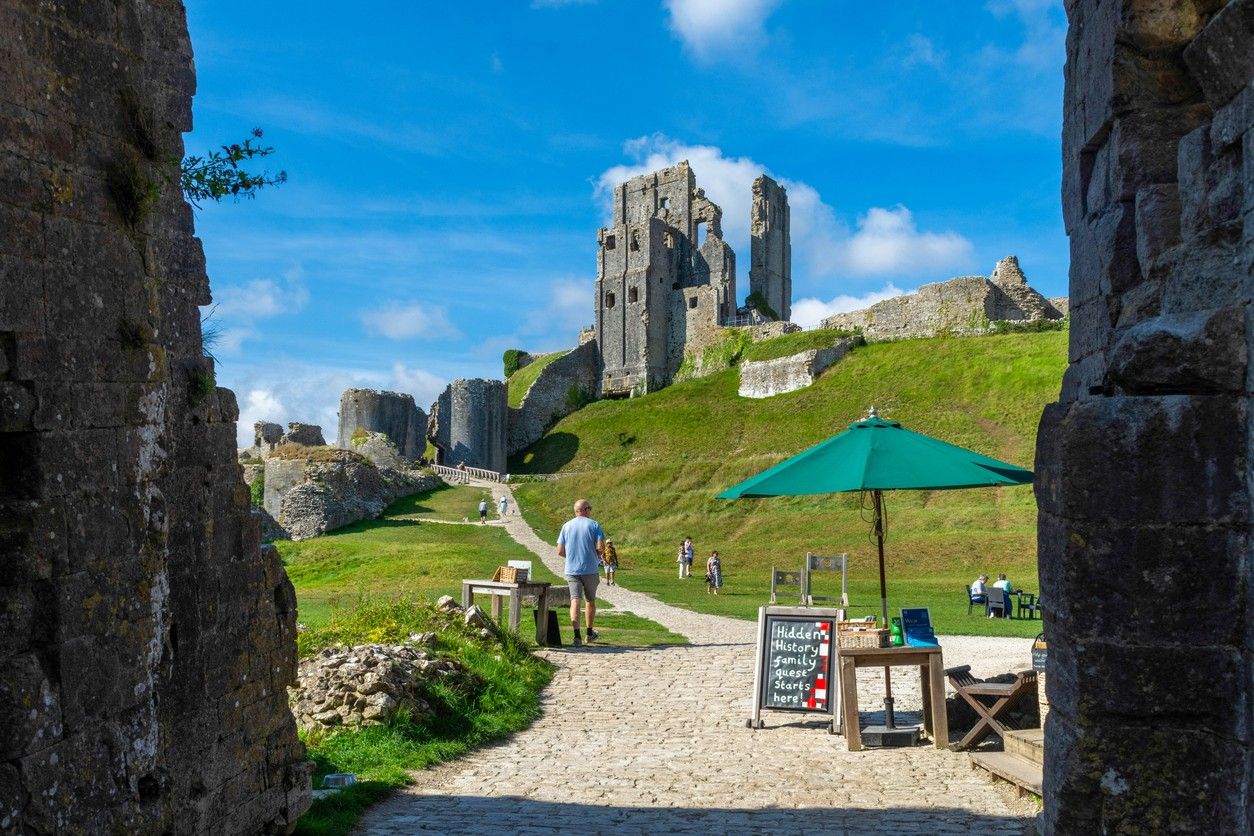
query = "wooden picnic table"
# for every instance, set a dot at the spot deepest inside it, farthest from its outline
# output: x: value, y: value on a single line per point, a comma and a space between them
x: 931, y: 674
x: 501, y: 590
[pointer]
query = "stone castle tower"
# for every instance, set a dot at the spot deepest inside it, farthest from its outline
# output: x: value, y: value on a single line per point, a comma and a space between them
x: 666, y: 277
x: 770, y: 253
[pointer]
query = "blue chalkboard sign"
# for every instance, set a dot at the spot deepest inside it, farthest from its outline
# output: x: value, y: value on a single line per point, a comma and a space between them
x: 916, y: 626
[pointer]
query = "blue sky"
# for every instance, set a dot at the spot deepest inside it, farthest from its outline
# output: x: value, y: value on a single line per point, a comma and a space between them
x: 449, y: 165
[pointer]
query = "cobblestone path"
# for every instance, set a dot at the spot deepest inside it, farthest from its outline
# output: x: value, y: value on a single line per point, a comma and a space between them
x: 654, y: 741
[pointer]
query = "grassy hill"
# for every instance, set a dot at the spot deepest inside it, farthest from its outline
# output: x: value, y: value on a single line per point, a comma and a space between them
x: 652, y: 465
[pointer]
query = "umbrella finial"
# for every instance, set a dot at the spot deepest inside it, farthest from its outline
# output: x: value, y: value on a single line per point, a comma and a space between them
x: 872, y: 413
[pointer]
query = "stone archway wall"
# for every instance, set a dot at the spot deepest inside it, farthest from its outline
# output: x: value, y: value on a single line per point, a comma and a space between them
x: 145, y: 639
x: 1144, y: 464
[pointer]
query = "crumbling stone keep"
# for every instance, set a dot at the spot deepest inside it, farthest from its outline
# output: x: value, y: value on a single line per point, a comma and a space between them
x: 391, y: 413
x: 468, y: 424
x: 770, y: 247
x: 146, y: 641
x: 666, y: 278
x: 1144, y: 464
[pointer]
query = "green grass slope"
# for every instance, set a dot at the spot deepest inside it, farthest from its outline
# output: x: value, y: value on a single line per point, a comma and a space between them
x: 519, y: 382
x: 652, y: 465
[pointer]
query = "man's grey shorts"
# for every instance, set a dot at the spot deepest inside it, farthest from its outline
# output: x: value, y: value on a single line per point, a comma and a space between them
x: 583, y: 587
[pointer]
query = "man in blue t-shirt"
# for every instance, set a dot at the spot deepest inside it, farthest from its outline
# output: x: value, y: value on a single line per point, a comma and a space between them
x: 582, y: 542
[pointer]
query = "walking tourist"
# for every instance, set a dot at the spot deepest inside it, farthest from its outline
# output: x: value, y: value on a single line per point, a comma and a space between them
x: 713, y: 574
x: 483, y: 512
x: 610, y: 559
x: 582, y: 542
x: 680, y: 558
x: 503, y: 505
x: 689, y: 554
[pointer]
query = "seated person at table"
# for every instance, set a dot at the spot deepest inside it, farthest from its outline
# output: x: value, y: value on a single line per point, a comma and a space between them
x: 1002, y: 583
x: 979, y: 595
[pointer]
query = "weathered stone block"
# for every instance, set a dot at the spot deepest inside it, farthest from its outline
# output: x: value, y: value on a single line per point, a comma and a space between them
x: 1152, y: 460
x: 30, y: 709
x: 1201, y: 352
x: 1220, y: 57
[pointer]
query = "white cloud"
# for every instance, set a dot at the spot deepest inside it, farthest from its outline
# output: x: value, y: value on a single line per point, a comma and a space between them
x: 422, y: 384
x: 713, y: 27
x: 921, y: 50
x: 410, y: 322
x: 231, y: 319
x: 567, y: 307
x: 886, y: 242
x: 809, y: 312
x: 258, y: 405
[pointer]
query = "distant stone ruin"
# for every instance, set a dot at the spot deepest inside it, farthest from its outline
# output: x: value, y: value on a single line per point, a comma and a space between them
x: 1144, y: 476
x: 146, y: 639
x: 310, y: 491
x: 468, y: 424
x: 962, y: 306
x: 767, y: 378
x: 562, y: 387
x: 392, y: 413
x: 666, y: 278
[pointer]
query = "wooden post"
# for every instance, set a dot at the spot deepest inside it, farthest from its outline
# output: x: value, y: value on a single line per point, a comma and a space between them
x: 542, y: 616
x: 468, y: 597
x: 515, y: 604
x: 849, y: 704
x: 940, y: 717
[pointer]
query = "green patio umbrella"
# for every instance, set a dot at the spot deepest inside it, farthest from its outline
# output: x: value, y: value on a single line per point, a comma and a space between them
x: 876, y: 455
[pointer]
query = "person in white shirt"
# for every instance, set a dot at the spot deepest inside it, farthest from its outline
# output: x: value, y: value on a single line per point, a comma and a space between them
x: 979, y: 594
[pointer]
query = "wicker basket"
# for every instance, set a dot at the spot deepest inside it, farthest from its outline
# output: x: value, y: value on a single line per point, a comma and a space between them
x: 510, y: 574
x: 860, y: 634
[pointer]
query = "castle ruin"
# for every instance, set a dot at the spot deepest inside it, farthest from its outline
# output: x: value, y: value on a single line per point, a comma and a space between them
x: 666, y: 279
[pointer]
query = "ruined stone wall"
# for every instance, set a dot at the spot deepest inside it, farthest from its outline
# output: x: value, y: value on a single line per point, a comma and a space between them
x: 550, y: 396
x: 963, y: 306
x: 770, y: 248
x: 1144, y: 464
x: 468, y: 424
x: 391, y: 413
x: 767, y: 378
x: 145, y: 638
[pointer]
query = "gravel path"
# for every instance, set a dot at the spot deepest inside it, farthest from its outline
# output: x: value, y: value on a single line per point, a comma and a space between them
x: 654, y: 741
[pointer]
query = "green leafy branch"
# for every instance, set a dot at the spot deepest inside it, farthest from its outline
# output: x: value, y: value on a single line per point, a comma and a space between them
x: 219, y: 174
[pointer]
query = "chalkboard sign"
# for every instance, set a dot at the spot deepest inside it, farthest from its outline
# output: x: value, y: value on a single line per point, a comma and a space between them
x: 916, y: 627
x: 797, y: 663
x: 1040, y: 652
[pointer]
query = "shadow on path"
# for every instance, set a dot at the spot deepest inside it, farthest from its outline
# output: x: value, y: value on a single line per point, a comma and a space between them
x: 504, y: 814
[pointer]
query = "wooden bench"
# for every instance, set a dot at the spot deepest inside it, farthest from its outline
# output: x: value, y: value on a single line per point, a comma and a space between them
x: 1003, y: 696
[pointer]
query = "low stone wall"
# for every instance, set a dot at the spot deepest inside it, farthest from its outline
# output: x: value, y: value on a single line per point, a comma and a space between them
x: 549, y: 399
x: 764, y: 378
x: 310, y: 496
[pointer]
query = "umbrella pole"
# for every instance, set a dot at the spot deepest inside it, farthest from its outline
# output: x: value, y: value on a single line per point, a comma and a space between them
x: 877, y: 497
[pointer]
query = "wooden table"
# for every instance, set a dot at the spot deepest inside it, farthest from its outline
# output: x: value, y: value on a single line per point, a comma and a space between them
x: 931, y: 673
x: 500, y: 590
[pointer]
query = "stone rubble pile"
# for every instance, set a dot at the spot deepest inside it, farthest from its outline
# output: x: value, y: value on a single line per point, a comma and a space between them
x: 368, y: 684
